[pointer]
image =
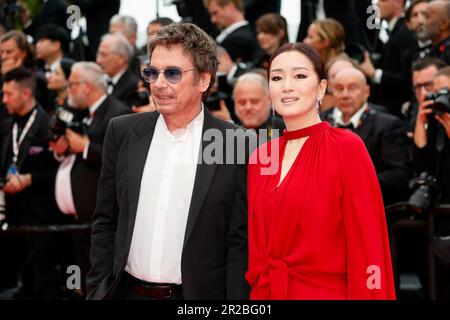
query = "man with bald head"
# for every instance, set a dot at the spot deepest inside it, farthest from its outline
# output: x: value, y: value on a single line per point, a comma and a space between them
x: 383, y: 134
x: 437, y: 29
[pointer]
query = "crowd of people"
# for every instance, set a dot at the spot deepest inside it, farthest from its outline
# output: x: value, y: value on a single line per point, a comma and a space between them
x: 91, y: 137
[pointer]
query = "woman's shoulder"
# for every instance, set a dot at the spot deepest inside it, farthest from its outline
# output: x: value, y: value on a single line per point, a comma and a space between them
x: 345, y: 139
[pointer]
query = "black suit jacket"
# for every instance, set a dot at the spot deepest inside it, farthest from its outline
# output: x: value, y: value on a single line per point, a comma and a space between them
x: 215, y: 251
x: 86, y: 172
x: 242, y: 44
x: 352, y: 14
x: 385, y: 138
x: 36, y: 204
x: 125, y: 86
x: 395, y: 86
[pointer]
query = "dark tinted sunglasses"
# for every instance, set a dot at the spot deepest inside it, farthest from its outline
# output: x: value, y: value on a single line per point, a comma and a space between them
x: 172, y: 75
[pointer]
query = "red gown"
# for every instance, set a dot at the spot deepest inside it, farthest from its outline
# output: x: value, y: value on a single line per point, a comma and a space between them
x: 322, y: 233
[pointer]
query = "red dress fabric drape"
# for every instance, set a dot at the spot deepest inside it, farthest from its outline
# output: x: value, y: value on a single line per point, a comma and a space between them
x: 321, y: 234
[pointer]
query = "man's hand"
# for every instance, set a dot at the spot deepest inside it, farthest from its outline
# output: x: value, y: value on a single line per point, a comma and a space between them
x: 222, y: 113
x: 17, y: 183
x: 444, y: 119
x: 60, y: 146
x: 77, y: 142
x: 424, y: 111
x: 366, y: 66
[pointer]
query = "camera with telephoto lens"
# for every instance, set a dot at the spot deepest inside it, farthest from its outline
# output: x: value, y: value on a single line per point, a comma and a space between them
x: 65, y: 119
x: 441, y: 101
x: 426, y: 191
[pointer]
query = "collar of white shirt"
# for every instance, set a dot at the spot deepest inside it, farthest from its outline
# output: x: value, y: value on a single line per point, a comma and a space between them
x: 96, y: 104
x: 181, y: 134
x: 117, y: 77
x: 225, y: 32
x: 337, y: 116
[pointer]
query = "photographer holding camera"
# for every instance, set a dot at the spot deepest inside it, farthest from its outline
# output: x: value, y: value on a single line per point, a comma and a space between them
x: 432, y: 134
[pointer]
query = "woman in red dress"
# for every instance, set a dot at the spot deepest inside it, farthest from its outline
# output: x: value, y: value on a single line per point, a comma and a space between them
x: 317, y: 227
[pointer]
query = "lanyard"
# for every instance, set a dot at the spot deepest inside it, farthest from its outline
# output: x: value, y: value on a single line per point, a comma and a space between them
x: 26, y: 129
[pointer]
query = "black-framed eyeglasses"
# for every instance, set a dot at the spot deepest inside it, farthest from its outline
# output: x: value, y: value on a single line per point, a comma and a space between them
x: 426, y: 85
x: 172, y: 74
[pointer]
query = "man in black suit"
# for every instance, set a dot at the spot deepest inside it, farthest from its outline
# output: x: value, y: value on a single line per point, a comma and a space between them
x: 236, y: 34
x: 29, y: 167
x: 171, y: 222
x: 97, y: 13
x: 383, y: 134
x: 391, y: 77
x: 352, y: 14
x: 79, y: 171
x: 114, y: 56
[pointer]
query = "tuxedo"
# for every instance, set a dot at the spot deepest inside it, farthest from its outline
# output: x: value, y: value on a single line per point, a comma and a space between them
x: 215, y: 251
x: 242, y: 44
x: 86, y: 172
x: 351, y: 14
x: 125, y: 86
x: 395, y: 86
x: 385, y: 138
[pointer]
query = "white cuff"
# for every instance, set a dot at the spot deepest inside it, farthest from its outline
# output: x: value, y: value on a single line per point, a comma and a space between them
x: 377, y: 76
x: 85, y: 152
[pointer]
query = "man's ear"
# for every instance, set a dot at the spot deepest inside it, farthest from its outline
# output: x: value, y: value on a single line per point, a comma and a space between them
x: 205, y: 80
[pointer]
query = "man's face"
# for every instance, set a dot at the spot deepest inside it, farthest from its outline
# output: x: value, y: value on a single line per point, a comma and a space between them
x: 387, y: 9
x: 152, y: 29
x: 11, y: 56
x: 78, y: 90
x: 417, y: 19
x: 252, y: 104
x: 219, y: 15
x: 350, y: 91
x: 46, y: 48
x: 441, y: 82
x: 180, y: 99
x: 110, y: 61
x: 423, y: 82
x: 433, y: 20
x: 13, y: 98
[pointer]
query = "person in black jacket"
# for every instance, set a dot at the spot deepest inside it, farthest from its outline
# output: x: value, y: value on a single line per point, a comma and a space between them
x: 236, y: 34
x: 80, y: 153
x: 28, y: 166
x: 114, y: 56
x: 391, y: 76
x: 383, y: 134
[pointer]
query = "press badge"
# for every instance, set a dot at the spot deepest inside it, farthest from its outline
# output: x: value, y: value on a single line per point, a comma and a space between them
x: 12, y: 170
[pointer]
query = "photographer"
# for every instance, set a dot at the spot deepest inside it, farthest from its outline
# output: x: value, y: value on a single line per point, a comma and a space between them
x: 28, y: 167
x: 432, y: 134
x: 79, y: 172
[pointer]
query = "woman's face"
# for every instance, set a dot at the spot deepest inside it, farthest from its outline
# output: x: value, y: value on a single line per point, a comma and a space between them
x: 269, y: 42
x: 57, y: 80
x: 314, y: 40
x: 294, y: 85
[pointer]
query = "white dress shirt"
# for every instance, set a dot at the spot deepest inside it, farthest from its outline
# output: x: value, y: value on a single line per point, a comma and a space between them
x: 337, y: 116
x: 164, y: 200
x: 63, y: 184
x: 232, y: 27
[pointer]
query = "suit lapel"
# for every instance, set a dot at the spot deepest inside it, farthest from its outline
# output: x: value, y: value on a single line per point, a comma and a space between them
x: 365, y: 128
x: 24, y: 147
x: 139, y: 144
x: 203, y: 179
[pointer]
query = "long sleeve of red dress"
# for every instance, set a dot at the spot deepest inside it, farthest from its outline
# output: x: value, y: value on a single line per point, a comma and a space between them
x: 321, y: 234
